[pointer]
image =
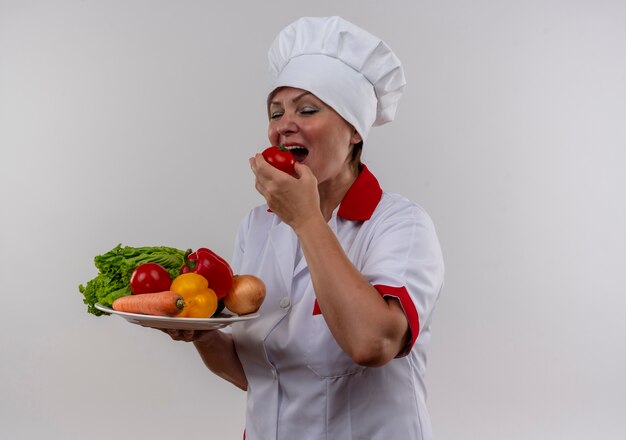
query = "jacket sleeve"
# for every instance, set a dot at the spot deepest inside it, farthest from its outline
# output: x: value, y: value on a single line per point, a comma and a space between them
x: 240, y: 243
x: 404, y: 260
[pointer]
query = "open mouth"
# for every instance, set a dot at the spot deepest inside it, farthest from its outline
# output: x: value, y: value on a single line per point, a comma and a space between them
x: 298, y: 151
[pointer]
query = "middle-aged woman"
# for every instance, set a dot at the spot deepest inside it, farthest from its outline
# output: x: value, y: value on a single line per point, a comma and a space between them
x: 352, y: 273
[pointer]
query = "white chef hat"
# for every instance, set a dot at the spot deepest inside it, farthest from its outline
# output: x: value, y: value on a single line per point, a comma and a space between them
x: 348, y: 68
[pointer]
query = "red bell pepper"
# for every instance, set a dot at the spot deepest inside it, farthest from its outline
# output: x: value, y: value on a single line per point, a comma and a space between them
x: 211, y: 266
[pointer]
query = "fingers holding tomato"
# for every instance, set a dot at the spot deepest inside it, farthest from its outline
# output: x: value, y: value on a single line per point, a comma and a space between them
x: 292, y: 198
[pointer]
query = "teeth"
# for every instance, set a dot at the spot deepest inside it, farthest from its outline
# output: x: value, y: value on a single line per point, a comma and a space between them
x: 299, y: 152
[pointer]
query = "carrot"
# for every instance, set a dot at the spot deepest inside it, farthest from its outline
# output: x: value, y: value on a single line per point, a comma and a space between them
x: 160, y: 304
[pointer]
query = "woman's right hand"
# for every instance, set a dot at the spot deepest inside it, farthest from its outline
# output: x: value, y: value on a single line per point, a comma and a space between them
x: 294, y: 199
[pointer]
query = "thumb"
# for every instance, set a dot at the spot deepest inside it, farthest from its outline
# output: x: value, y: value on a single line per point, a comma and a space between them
x: 301, y: 170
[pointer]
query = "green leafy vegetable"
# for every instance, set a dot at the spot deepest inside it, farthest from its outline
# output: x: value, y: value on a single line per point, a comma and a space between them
x: 116, y: 266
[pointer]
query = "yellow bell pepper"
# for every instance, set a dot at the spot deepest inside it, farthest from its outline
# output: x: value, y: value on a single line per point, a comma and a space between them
x: 200, y: 300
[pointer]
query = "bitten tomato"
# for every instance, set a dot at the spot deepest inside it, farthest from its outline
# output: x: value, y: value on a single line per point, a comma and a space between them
x: 280, y: 158
x: 149, y: 278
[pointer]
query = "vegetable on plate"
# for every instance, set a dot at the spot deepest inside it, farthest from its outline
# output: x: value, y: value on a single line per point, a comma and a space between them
x: 158, y: 304
x: 246, y: 295
x: 149, y: 278
x: 211, y: 266
x: 165, y: 281
x: 200, y: 300
x: 115, y: 269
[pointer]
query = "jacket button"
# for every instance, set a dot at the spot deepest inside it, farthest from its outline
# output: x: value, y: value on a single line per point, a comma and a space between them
x: 284, y: 303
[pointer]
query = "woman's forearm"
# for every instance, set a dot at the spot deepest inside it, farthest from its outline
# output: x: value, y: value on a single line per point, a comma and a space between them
x: 371, y: 330
x: 217, y: 350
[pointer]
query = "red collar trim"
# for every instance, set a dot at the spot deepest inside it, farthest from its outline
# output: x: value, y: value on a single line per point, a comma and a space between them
x: 362, y: 197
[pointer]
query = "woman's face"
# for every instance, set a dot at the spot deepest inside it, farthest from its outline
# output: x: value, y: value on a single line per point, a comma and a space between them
x: 316, y: 134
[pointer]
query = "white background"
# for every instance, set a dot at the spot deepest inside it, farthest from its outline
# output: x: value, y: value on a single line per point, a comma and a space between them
x: 132, y: 121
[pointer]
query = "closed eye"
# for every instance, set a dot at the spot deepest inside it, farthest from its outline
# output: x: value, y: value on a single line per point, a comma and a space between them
x: 308, y: 111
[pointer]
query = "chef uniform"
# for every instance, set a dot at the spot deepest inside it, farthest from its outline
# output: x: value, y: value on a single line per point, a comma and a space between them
x: 301, y: 384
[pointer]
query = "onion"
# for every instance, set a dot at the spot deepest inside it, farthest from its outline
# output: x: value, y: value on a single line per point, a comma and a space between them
x: 246, y: 294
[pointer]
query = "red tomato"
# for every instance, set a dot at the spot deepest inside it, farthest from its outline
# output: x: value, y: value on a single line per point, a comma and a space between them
x: 280, y: 158
x: 149, y: 278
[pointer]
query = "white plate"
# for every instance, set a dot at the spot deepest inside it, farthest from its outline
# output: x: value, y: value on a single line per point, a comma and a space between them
x: 220, y: 321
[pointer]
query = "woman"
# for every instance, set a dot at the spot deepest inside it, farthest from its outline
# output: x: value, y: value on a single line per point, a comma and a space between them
x: 352, y: 273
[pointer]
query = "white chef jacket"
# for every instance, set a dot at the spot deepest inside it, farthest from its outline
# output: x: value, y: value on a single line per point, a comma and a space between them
x: 301, y: 385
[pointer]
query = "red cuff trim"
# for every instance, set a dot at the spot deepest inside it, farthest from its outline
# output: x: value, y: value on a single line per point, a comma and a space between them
x: 316, y: 308
x: 409, y: 310
x: 407, y: 305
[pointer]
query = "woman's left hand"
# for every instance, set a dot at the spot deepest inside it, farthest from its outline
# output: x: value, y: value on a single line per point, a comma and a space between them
x: 294, y: 199
x: 189, y: 335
